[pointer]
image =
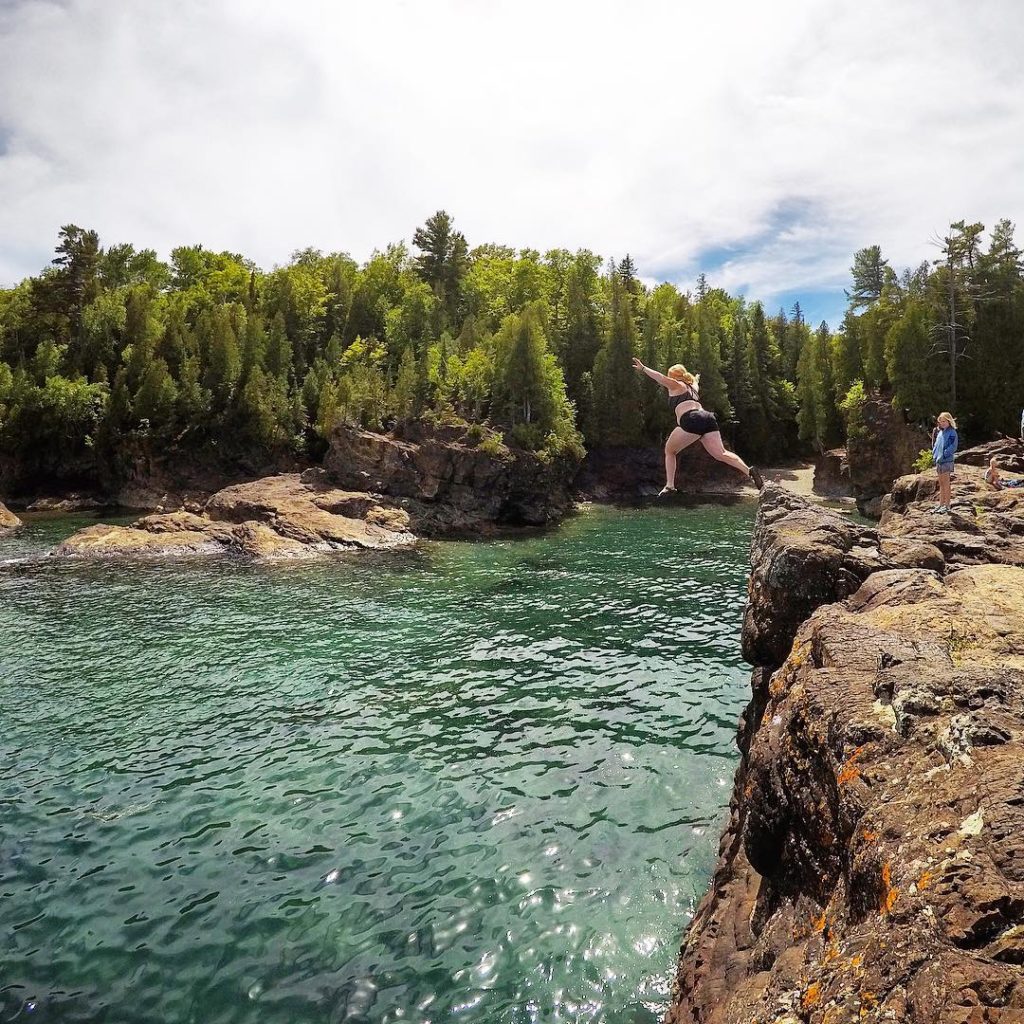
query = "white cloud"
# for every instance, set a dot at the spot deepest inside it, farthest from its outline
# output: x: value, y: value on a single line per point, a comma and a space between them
x: 795, y: 131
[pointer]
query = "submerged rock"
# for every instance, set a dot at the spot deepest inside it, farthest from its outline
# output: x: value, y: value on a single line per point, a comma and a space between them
x: 871, y: 868
x: 281, y: 516
x: 9, y: 522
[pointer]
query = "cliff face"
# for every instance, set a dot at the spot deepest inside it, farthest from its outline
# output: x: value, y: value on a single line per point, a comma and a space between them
x: 624, y: 474
x: 375, y: 491
x: 882, y: 449
x: 450, y: 482
x: 872, y: 867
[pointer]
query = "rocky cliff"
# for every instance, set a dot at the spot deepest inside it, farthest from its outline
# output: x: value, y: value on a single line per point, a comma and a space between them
x: 625, y: 474
x: 374, y: 491
x: 871, y: 868
x: 453, y: 479
x: 882, y: 447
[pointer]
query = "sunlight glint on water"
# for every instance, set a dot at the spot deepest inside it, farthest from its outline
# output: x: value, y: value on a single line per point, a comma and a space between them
x: 479, y: 782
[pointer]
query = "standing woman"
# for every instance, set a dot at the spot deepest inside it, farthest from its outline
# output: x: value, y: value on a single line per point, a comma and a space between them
x: 695, y: 423
x: 943, y: 453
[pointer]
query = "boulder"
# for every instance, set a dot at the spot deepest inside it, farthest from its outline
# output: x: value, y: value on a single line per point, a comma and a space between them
x: 453, y: 478
x: 65, y: 504
x: 1007, y: 451
x: 802, y: 556
x: 626, y: 474
x: 871, y: 867
x: 832, y: 474
x: 983, y: 525
x: 9, y: 522
x: 283, y: 516
x: 883, y: 447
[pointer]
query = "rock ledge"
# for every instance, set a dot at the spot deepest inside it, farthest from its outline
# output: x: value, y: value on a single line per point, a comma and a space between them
x: 284, y: 516
x: 872, y: 867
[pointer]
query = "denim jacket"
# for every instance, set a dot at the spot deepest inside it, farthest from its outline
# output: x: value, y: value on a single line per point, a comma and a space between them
x: 945, y: 446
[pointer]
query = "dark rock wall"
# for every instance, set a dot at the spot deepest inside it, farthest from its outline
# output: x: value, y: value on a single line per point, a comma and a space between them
x: 832, y: 474
x: 625, y: 474
x: 453, y: 480
x: 884, y: 448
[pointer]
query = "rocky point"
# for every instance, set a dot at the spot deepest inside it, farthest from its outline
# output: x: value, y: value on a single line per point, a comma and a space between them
x: 277, y: 517
x: 871, y: 868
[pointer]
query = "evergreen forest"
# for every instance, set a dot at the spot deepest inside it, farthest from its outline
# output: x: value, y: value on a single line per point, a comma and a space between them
x: 111, y: 352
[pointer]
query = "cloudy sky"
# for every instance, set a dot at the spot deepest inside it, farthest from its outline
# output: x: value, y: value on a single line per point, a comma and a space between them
x: 759, y: 142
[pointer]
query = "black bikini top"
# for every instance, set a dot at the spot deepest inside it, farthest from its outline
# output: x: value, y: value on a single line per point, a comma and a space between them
x: 689, y: 395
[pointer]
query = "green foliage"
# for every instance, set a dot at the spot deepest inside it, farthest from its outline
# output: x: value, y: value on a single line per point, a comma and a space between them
x: 917, y: 386
x: 924, y: 460
x: 617, y: 410
x: 851, y: 406
x: 109, y: 352
x: 494, y: 444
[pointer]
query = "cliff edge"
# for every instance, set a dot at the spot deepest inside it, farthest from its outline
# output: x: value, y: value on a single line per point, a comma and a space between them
x: 871, y: 868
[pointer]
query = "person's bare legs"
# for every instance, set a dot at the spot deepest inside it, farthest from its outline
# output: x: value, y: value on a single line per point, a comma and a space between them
x: 945, y: 489
x: 677, y: 441
x: 715, y: 447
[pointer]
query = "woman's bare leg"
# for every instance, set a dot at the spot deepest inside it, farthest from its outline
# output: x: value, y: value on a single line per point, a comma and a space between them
x: 715, y: 447
x: 945, y: 490
x: 677, y: 441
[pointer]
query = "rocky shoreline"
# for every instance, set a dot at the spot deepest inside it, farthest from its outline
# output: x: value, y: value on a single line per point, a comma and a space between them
x: 373, y: 492
x: 871, y: 868
x: 376, y: 491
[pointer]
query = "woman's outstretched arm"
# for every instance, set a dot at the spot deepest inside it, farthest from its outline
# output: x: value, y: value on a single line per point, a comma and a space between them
x: 658, y: 378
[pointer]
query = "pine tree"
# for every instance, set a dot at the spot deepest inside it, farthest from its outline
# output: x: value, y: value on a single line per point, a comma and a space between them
x: 869, y: 272
x: 278, y: 360
x: 910, y: 365
x: 443, y: 259
x: 155, y: 400
x: 713, y: 391
x: 224, y: 361
x: 616, y: 388
x: 404, y: 394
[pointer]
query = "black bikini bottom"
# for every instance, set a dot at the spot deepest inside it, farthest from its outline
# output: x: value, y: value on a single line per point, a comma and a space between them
x: 698, y: 421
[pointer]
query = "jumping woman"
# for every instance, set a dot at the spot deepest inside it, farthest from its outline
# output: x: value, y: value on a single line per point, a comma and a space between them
x: 695, y: 423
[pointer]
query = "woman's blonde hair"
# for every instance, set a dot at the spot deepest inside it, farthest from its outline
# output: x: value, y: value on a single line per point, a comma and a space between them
x: 948, y: 417
x: 680, y: 372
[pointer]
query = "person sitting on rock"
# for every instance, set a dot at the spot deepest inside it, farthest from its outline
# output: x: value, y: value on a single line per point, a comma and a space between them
x: 943, y: 453
x: 695, y: 423
x: 995, y: 480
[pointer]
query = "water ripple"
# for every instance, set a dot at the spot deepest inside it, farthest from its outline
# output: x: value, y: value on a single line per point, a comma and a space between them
x: 474, y: 782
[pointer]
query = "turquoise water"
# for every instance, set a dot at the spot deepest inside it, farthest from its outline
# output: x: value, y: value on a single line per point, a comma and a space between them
x: 479, y: 782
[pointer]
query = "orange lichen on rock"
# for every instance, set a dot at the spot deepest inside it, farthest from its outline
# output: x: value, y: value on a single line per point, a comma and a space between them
x: 889, y: 893
x: 812, y: 996
x: 850, y: 771
x: 924, y: 881
x: 869, y: 836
